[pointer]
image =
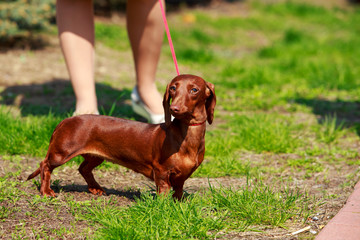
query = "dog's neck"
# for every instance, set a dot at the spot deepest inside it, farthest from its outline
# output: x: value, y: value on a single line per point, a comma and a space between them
x: 194, y: 131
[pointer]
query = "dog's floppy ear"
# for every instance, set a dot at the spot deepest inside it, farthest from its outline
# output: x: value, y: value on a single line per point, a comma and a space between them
x: 166, y: 105
x: 210, y: 102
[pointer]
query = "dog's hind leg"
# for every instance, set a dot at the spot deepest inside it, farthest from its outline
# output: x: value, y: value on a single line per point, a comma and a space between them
x: 51, y: 162
x: 45, y: 174
x: 85, y: 170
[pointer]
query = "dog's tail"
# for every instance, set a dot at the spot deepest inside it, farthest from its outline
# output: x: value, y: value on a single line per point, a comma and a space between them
x: 34, y: 174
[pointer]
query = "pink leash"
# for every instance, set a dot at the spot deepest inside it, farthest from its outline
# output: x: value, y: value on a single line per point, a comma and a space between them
x: 169, y: 38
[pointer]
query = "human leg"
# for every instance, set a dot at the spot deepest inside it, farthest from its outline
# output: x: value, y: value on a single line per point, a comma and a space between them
x: 146, y: 33
x: 75, y: 22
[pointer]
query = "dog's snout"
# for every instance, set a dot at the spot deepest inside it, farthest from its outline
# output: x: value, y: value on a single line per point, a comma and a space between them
x: 175, y: 108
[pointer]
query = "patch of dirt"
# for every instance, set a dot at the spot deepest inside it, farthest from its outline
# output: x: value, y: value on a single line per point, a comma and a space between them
x: 123, y: 186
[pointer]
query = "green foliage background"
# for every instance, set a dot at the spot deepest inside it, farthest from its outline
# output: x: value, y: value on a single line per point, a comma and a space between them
x: 20, y: 18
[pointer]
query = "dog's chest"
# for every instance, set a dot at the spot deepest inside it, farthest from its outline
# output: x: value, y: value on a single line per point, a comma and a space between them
x: 186, y: 153
x: 189, y: 156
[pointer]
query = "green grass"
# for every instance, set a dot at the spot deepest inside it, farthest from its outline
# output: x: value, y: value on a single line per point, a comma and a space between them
x: 288, y: 86
x: 202, y: 215
x: 112, y: 35
x: 28, y: 135
x: 199, y: 216
x: 330, y: 130
x: 258, y: 133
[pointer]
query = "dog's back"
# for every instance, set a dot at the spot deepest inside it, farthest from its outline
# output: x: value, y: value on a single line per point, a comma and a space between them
x: 125, y: 142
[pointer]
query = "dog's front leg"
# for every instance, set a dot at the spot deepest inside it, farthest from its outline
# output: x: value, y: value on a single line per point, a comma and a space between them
x: 178, y: 188
x: 162, y: 181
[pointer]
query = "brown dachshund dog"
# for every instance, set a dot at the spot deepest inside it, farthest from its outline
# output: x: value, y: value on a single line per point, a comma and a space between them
x: 167, y: 153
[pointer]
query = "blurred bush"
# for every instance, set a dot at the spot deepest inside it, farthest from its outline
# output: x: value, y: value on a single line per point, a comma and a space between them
x: 21, y: 18
x: 106, y: 7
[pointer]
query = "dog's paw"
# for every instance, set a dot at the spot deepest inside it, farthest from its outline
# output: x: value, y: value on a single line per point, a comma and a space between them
x: 97, y: 191
x: 48, y: 193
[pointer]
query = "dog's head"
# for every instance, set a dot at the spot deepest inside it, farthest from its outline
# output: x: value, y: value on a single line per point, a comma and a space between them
x: 188, y: 98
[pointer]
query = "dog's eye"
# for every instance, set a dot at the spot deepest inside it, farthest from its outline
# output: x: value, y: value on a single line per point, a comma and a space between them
x: 194, y: 90
x: 172, y: 88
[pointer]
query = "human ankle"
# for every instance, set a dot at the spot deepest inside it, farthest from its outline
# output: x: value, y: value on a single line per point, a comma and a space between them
x: 84, y: 107
x: 151, y: 98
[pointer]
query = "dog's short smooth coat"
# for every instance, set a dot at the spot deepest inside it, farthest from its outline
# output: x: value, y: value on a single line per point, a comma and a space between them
x: 167, y: 153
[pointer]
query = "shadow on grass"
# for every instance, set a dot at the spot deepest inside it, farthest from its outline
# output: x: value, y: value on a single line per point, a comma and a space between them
x: 57, y: 97
x: 129, y: 194
x: 346, y: 112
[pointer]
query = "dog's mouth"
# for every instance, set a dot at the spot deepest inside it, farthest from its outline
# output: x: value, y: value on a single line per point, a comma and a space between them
x: 181, y: 114
x: 177, y: 115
